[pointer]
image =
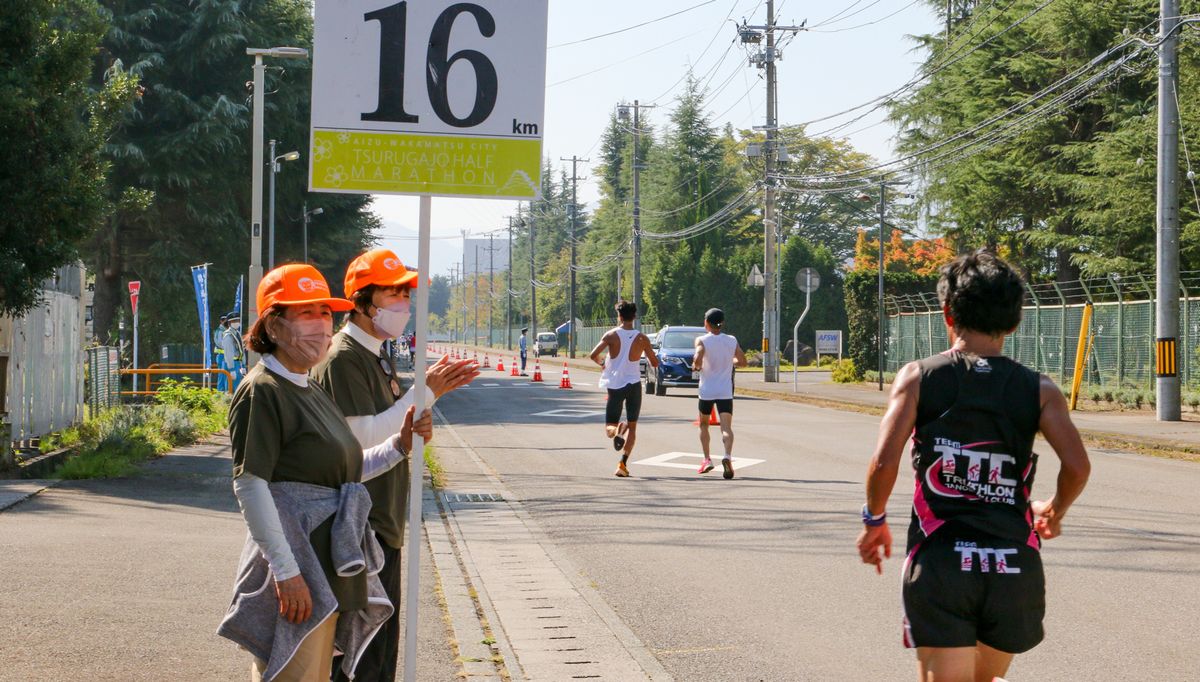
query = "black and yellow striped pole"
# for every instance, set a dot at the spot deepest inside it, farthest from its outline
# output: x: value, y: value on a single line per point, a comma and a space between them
x: 1166, y: 358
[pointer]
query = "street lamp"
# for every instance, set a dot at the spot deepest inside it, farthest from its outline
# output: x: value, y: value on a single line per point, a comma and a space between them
x: 308, y: 214
x: 275, y: 165
x: 256, y: 165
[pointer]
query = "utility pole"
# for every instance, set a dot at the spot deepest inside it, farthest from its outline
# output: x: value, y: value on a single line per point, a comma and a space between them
x: 463, y: 279
x: 532, y: 278
x: 638, y: 167
x: 574, y: 230
x: 508, y: 316
x: 1167, y: 296
x: 450, y: 308
x: 766, y: 59
x: 475, y: 296
x: 491, y: 282
x: 882, y: 312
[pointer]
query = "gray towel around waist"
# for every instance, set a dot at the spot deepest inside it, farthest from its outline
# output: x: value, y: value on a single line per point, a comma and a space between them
x: 253, y: 621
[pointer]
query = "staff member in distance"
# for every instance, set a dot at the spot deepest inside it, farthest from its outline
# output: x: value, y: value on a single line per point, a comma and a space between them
x: 361, y: 379
x: 285, y: 430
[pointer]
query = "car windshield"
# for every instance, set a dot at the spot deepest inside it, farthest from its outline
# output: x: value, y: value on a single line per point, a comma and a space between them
x: 548, y: 336
x: 681, y: 339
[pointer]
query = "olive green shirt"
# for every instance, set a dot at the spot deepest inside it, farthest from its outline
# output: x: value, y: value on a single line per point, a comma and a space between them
x: 359, y: 386
x: 282, y: 432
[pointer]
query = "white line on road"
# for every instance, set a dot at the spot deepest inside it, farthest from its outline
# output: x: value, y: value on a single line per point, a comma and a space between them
x: 666, y: 460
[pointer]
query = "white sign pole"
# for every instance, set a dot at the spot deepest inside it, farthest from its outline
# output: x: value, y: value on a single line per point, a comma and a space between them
x: 416, y: 458
x: 135, y: 350
x: 796, y: 335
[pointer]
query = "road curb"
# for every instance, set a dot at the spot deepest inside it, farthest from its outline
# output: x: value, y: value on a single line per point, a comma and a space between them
x: 624, y: 637
x: 16, y: 491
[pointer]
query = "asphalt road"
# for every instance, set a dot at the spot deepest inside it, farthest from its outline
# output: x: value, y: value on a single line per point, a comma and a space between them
x: 757, y: 578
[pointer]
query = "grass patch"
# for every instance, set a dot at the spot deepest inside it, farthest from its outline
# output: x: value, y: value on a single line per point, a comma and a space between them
x: 437, y: 475
x: 114, y: 442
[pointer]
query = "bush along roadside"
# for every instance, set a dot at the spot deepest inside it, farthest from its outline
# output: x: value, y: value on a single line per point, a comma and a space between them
x: 115, y: 441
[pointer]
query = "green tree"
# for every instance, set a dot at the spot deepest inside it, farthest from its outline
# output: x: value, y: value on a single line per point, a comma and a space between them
x: 53, y: 127
x: 188, y: 141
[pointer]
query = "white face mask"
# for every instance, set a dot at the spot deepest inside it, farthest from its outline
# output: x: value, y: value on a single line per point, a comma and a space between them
x: 393, y: 319
x: 305, y: 340
x: 236, y: 326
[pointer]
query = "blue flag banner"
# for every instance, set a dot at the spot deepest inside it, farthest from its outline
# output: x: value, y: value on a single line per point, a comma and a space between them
x: 200, y: 280
x: 237, y: 298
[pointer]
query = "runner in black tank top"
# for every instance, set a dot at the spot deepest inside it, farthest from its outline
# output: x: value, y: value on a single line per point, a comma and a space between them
x: 973, y: 581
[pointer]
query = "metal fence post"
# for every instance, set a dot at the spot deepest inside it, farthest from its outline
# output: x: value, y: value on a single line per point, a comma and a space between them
x: 1150, y: 375
x: 1037, y: 328
x: 1062, y: 334
x: 1187, y: 336
x: 1112, y: 280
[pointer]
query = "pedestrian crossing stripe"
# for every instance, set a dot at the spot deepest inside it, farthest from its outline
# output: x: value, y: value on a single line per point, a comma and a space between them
x: 1165, y: 358
x: 668, y: 459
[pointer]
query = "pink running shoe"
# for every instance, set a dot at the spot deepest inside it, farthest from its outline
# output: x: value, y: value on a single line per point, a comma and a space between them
x: 706, y: 466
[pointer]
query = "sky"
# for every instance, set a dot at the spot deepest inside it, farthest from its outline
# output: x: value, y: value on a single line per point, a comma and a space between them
x: 859, y: 55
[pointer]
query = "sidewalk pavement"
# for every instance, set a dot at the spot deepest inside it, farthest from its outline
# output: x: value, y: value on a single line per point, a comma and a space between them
x: 1137, y: 430
x: 127, y: 579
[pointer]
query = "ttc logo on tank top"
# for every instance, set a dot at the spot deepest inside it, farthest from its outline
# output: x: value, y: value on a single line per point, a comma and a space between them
x: 990, y: 560
x: 967, y: 471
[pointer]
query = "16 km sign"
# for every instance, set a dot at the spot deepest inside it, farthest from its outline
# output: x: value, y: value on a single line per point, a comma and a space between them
x: 428, y: 97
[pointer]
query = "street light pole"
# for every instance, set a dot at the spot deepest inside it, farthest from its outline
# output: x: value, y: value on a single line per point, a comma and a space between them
x: 275, y: 165
x: 256, y: 161
x: 308, y: 214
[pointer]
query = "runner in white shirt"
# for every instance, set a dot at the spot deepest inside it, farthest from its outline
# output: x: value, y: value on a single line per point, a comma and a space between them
x: 716, y: 356
x: 622, y: 348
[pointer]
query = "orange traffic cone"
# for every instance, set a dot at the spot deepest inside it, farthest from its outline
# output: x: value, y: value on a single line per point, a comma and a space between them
x: 499, y: 363
x: 514, y: 372
x: 712, y: 419
x: 537, y: 371
x: 566, y: 378
x: 487, y: 362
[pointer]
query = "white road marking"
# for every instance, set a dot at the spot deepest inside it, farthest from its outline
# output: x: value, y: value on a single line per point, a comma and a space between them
x: 666, y: 460
x: 568, y: 413
x: 491, y: 384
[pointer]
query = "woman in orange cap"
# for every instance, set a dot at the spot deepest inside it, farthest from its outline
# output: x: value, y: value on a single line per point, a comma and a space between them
x: 360, y: 378
x: 290, y: 443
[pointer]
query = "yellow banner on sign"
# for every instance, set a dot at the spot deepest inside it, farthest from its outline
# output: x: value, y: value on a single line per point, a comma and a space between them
x: 403, y: 163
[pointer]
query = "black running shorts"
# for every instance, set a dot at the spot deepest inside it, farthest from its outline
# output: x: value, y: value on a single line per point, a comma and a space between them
x: 724, y: 406
x: 630, y: 396
x: 962, y: 587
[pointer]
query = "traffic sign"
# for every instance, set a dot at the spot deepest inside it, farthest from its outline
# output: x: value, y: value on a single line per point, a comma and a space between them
x: 433, y: 97
x: 808, y: 280
x: 135, y: 289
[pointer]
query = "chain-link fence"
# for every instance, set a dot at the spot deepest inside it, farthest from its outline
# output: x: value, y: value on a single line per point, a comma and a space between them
x: 1121, y: 354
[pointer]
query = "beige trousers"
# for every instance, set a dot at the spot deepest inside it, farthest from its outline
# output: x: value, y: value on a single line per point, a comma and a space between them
x: 312, y: 661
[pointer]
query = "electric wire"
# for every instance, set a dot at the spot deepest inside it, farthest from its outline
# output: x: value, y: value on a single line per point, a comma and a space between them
x: 630, y: 28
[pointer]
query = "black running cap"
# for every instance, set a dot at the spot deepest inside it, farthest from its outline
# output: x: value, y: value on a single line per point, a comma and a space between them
x: 715, y: 316
x: 524, y: 329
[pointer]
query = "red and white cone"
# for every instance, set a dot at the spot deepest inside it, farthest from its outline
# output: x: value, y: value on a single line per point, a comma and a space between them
x: 713, y: 420
x: 499, y: 363
x: 565, y: 382
x: 537, y: 371
x: 514, y: 372
x: 487, y: 362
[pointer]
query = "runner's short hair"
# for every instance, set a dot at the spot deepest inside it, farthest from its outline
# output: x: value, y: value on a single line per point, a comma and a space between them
x: 982, y: 293
x: 626, y: 310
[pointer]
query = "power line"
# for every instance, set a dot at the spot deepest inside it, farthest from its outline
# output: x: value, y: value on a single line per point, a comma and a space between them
x: 868, y: 23
x: 630, y: 28
x: 622, y: 61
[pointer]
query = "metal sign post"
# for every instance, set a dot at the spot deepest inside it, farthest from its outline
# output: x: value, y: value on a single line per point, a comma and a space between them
x: 808, y: 280
x: 135, y: 289
x: 434, y: 98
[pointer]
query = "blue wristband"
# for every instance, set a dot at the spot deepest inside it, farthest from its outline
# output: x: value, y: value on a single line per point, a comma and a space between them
x: 870, y: 520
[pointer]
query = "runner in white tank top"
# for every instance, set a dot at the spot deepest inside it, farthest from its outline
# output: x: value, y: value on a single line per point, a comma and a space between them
x: 716, y: 356
x: 622, y: 347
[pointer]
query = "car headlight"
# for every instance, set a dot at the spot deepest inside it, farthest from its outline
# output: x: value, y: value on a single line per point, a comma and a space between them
x: 671, y: 360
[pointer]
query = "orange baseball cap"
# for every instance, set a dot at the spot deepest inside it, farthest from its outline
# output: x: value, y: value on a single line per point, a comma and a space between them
x: 297, y: 284
x: 380, y: 267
